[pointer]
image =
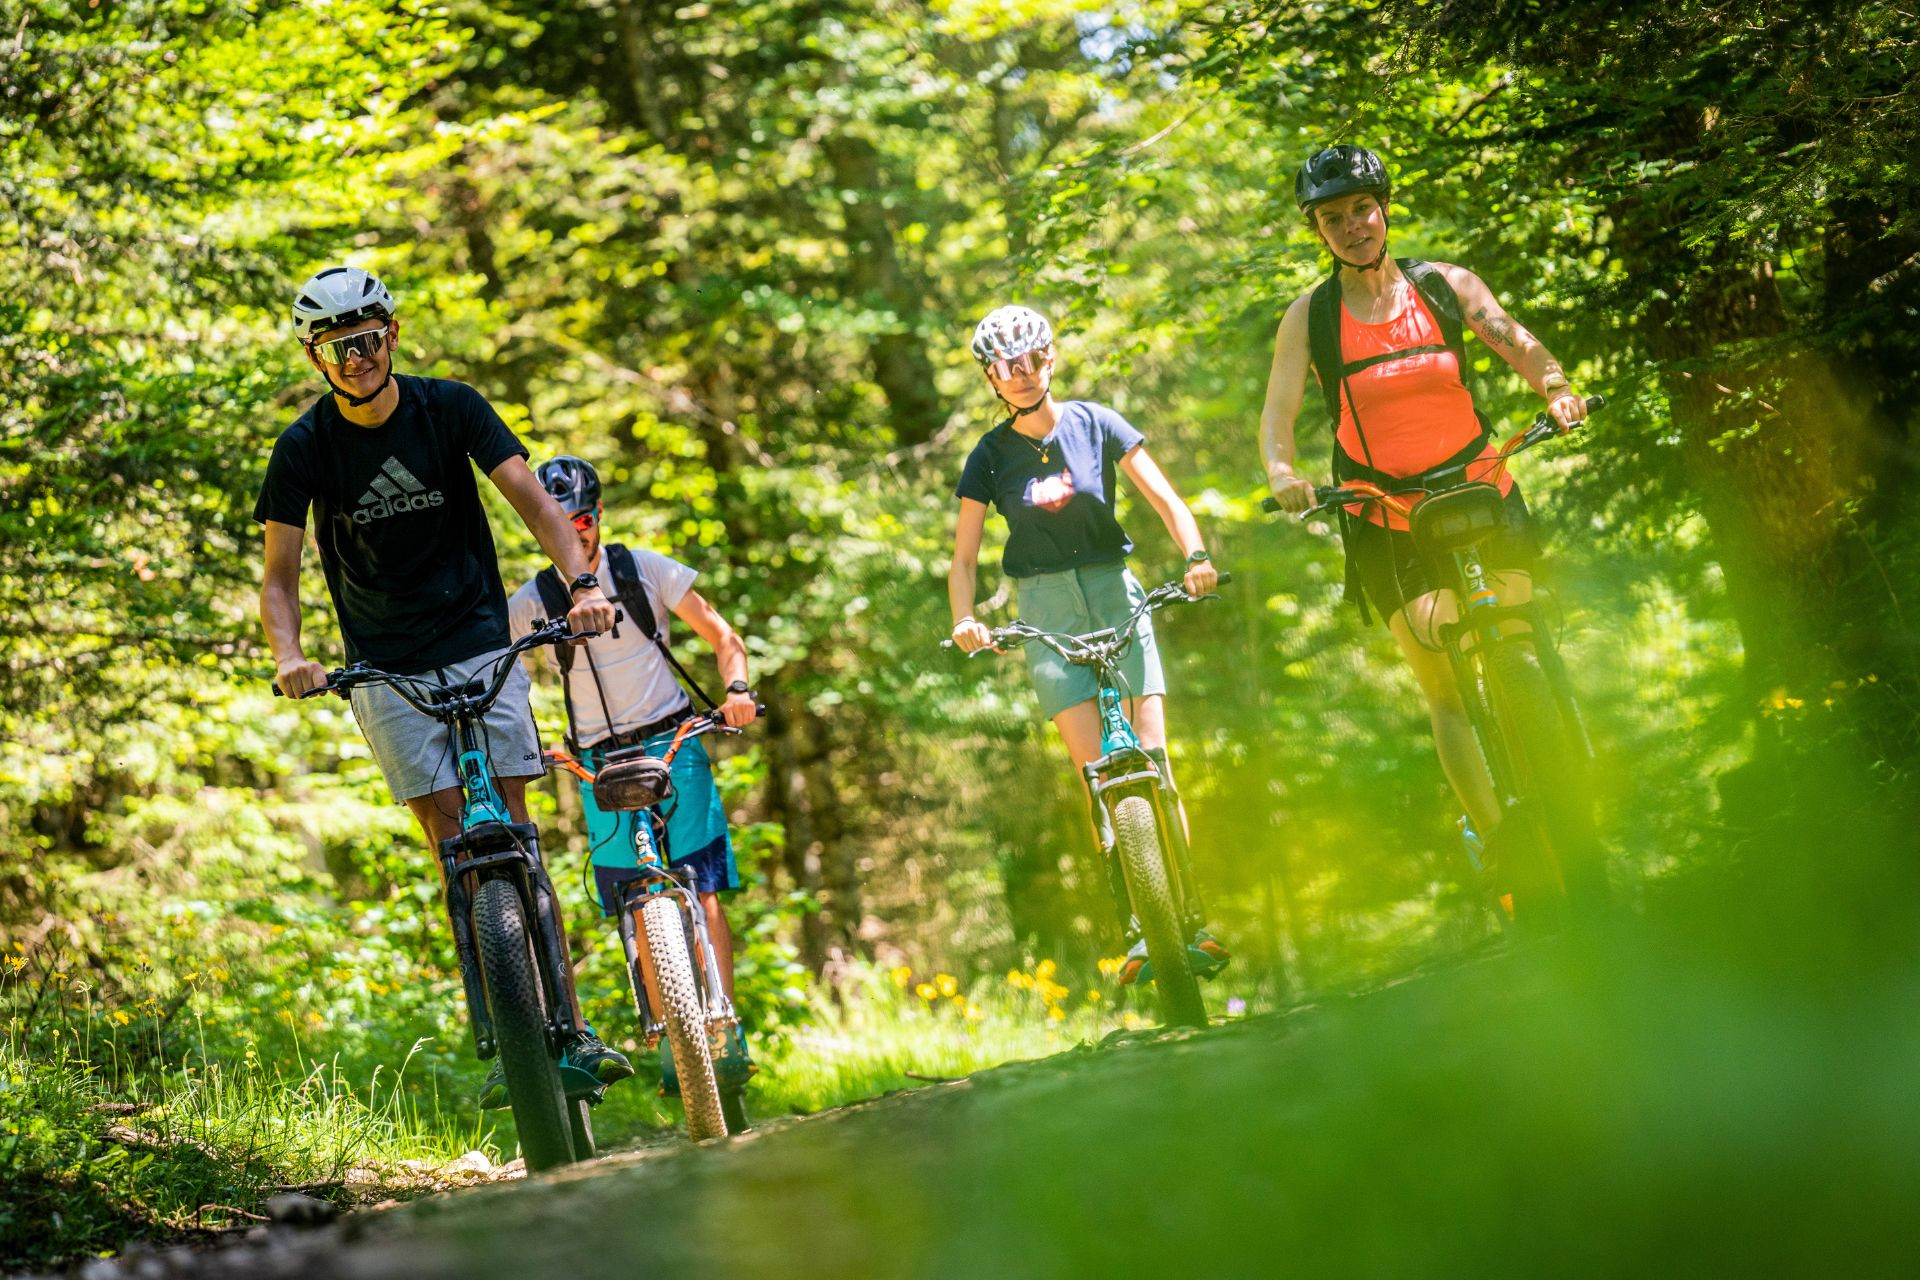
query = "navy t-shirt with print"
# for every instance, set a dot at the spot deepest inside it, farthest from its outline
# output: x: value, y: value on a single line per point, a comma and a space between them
x: 404, y: 542
x: 1059, y: 513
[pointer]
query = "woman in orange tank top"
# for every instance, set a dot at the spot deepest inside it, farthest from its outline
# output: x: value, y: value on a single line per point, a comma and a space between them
x: 1404, y: 410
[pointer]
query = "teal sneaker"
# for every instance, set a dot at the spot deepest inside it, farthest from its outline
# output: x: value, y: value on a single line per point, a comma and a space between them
x: 1205, y: 956
x: 586, y: 1065
x: 493, y: 1090
x: 588, y: 1054
x: 733, y: 1066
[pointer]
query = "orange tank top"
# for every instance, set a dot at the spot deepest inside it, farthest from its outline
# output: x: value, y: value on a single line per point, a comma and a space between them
x: 1414, y: 411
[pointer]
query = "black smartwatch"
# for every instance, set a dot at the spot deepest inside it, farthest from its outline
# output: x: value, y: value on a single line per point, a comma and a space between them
x: 739, y: 686
x: 1199, y: 557
x: 581, y: 583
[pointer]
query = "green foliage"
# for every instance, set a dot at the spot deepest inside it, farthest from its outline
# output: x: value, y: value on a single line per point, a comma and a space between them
x: 731, y: 255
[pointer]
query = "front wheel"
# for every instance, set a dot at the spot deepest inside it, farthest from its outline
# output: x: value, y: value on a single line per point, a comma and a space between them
x: 1562, y: 863
x: 685, y: 1014
x: 519, y: 1009
x: 1137, y: 837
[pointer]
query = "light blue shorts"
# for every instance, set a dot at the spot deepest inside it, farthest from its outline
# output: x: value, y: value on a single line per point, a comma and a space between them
x: 697, y: 836
x: 1074, y: 602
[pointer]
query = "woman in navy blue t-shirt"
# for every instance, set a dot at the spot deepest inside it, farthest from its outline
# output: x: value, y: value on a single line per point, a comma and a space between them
x: 1049, y: 468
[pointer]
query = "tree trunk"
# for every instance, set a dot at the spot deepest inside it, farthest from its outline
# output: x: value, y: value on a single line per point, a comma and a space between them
x: 900, y: 363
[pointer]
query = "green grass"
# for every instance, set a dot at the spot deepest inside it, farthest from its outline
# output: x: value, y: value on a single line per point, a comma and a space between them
x: 97, y: 1154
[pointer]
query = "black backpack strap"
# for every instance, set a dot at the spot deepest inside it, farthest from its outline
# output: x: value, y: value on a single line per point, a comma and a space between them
x: 631, y: 594
x: 1323, y: 343
x: 556, y: 600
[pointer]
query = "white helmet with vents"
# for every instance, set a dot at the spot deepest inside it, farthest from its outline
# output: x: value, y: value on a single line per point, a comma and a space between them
x: 1009, y: 333
x: 339, y: 296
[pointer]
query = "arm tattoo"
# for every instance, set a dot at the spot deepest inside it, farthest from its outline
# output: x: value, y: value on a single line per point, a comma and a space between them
x: 1498, y: 329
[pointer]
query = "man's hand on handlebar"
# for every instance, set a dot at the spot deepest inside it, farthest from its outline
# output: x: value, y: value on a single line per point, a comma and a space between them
x: 739, y: 710
x: 591, y: 611
x: 971, y: 635
x: 299, y: 678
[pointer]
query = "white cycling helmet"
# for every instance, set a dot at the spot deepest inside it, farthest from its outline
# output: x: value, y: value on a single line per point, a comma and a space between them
x: 339, y: 296
x: 1009, y: 333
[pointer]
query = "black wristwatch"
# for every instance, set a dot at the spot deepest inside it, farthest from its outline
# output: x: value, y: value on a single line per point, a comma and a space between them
x: 581, y: 583
x: 1199, y: 557
x: 740, y: 686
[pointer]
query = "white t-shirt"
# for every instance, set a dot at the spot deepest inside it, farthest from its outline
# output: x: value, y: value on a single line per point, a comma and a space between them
x: 630, y: 670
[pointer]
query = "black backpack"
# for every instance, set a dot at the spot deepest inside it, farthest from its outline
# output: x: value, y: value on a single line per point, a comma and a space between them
x: 630, y: 595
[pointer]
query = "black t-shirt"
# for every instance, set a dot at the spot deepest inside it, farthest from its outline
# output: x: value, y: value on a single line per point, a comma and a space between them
x: 404, y: 541
x: 1059, y: 510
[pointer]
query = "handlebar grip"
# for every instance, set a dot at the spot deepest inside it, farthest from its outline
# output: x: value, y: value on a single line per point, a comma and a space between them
x: 617, y: 615
x: 1596, y: 402
x: 1225, y: 577
x: 276, y: 690
x: 946, y: 644
x: 1269, y: 503
x: 759, y: 710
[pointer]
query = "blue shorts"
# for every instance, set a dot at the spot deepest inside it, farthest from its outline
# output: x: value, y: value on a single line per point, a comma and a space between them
x: 1075, y: 602
x: 697, y: 837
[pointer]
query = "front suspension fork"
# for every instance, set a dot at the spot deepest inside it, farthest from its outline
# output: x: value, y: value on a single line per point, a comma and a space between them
x: 633, y: 898
x: 515, y: 849
x: 1173, y: 836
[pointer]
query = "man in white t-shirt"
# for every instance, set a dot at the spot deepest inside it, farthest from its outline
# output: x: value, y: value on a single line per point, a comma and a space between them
x: 621, y: 691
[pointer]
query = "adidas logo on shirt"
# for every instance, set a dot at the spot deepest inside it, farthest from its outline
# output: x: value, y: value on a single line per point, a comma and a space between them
x: 394, y: 490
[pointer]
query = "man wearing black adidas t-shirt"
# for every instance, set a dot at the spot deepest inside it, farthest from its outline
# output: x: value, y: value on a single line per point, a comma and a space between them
x: 385, y: 463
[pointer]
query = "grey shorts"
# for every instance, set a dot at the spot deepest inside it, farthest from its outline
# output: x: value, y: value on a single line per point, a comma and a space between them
x: 417, y: 753
x: 1074, y: 602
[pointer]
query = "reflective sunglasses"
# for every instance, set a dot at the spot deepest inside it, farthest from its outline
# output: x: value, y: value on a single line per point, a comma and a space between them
x: 1028, y: 363
x: 365, y: 344
x: 585, y: 520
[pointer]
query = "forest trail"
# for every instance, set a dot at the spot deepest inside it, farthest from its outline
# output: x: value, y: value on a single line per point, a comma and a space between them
x: 1545, y: 1109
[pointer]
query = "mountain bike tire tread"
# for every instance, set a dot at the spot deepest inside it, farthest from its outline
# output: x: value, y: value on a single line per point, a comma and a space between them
x: 1137, y: 835
x: 685, y: 1015
x: 514, y: 998
x: 1553, y: 776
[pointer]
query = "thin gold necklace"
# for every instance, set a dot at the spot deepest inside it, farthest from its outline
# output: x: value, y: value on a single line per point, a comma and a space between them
x: 1042, y: 448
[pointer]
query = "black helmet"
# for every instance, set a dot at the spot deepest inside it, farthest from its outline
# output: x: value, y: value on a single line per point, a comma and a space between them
x: 1340, y: 170
x: 572, y: 481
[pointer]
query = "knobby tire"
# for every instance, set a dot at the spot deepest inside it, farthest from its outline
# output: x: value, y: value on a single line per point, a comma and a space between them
x: 1137, y: 835
x: 1561, y: 866
x: 519, y: 1011
x: 685, y: 1014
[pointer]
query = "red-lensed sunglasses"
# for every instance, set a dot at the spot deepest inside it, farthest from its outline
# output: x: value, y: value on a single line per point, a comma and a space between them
x: 585, y: 520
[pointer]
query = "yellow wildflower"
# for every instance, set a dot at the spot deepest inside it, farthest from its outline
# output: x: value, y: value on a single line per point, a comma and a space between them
x: 902, y: 976
x: 1093, y: 997
x: 1044, y: 969
x: 1056, y: 1014
x: 947, y: 983
x: 926, y: 991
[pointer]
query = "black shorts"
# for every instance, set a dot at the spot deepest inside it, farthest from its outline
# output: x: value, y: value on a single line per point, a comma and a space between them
x: 1383, y: 563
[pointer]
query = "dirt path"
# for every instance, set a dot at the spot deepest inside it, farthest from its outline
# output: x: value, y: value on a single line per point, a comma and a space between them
x: 1532, y: 1113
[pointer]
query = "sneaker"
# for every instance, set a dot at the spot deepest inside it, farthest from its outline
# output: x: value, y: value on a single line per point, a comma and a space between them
x: 493, y: 1090
x: 733, y: 1066
x: 1476, y: 847
x: 1205, y: 956
x: 669, y: 1076
x: 589, y: 1054
x: 586, y: 1065
x: 1136, y: 967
